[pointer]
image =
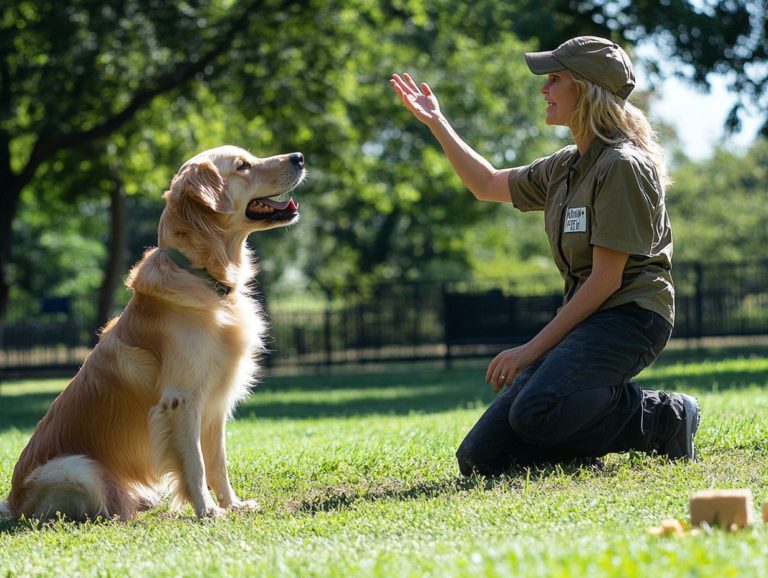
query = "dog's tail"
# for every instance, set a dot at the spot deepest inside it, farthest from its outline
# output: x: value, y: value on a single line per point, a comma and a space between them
x: 73, y: 486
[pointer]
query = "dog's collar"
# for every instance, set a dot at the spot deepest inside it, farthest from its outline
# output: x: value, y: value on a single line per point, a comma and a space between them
x: 181, y: 260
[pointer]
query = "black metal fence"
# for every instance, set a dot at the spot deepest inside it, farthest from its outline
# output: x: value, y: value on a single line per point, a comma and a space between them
x: 399, y: 321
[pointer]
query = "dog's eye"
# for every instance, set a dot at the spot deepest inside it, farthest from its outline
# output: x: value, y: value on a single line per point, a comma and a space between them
x: 244, y: 166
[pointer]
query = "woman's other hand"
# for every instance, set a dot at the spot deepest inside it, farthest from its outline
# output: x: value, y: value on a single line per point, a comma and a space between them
x: 507, y: 365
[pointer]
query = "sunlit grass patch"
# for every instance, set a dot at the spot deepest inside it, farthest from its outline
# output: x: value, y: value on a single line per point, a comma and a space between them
x: 356, y: 476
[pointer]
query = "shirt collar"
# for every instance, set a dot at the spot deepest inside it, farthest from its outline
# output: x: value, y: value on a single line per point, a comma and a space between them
x: 582, y: 163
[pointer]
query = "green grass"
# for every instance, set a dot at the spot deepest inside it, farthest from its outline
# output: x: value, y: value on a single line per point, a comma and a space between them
x: 355, y: 475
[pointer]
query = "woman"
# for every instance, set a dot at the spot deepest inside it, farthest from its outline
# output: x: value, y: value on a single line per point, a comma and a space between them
x: 566, y: 394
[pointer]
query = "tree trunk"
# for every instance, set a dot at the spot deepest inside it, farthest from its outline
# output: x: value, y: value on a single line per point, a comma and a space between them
x: 46, y: 147
x: 10, y: 191
x: 114, y: 268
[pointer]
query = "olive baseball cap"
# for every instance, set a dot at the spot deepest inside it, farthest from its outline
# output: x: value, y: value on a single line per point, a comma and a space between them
x: 598, y: 60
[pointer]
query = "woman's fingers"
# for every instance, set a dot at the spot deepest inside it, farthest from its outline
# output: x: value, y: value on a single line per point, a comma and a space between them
x: 489, y: 371
x: 503, y: 379
x: 412, y: 83
x: 502, y: 370
x: 423, y: 105
x: 494, y: 370
x: 404, y: 86
x: 408, y: 85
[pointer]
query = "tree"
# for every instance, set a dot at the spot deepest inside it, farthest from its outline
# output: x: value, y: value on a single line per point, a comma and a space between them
x: 718, y: 206
x: 396, y: 209
x: 382, y: 201
x: 279, y: 75
x: 73, y: 73
x: 728, y: 37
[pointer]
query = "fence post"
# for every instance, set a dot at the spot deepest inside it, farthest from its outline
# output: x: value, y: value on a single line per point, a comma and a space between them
x: 327, y: 332
x: 446, y: 336
x: 2, y: 351
x: 699, y: 299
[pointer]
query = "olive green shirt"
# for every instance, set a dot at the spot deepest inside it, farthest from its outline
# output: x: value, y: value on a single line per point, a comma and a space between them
x: 609, y: 197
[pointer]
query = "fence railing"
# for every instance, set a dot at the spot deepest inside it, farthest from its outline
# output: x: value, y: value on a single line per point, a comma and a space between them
x: 407, y: 320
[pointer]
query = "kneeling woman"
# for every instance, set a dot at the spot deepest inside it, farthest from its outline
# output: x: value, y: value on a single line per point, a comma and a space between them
x: 567, y: 394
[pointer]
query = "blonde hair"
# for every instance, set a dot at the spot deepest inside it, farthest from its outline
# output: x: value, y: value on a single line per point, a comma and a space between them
x: 600, y: 114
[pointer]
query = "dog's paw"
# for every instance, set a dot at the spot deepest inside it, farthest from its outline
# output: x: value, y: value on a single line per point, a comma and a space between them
x: 172, y: 403
x: 247, y: 505
x: 211, y: 511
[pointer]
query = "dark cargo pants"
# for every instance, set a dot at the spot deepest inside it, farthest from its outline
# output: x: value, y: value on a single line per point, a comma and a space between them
x: 577, y: 401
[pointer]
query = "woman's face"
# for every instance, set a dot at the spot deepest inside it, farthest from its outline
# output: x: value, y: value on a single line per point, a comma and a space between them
x: 562, y: 96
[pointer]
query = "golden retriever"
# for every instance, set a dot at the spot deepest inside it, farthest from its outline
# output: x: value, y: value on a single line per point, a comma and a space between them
x: 151, y: 401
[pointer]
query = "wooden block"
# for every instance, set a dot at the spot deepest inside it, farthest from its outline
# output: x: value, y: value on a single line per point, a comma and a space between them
x: 765, y: 511
x: 671, y: 528
x: 724, y: 508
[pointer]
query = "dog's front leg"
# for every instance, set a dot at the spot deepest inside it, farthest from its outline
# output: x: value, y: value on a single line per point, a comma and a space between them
x: 175, y: 446
x: 215, y: 455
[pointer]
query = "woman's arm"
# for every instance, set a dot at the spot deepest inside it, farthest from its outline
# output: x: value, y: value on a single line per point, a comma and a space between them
x: 605, y: 279
x: 484, y: 181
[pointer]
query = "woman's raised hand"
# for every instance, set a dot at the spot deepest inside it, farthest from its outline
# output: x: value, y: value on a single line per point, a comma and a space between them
x: 419, y: 100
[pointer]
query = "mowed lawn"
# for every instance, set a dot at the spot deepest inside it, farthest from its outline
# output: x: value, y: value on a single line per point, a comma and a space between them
x: 356, y: 476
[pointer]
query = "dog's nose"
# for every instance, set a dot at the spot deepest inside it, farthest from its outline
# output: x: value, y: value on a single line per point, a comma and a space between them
x: 297, y: 159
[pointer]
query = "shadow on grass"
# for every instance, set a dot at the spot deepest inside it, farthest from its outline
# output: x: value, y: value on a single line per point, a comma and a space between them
x: 421, y: 398
x: 443, y: 391
x: 707, y: 382
x: 695, y: 354
x: 14, y: 526
x: 24, y: 411
x: 429, y: 391
x: 329, y: 499
x: 10, y: 526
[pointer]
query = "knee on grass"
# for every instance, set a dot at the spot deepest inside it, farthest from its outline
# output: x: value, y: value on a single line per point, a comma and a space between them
x: 473, y: 459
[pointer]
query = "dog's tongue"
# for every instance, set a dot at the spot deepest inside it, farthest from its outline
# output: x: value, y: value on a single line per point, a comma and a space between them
x: 289, y: 205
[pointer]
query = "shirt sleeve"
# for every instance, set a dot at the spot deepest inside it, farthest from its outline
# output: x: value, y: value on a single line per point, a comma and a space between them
x: 528, y: 185
x: 627, y: 207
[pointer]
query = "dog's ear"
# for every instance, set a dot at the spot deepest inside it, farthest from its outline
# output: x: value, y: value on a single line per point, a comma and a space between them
x: 203, y: 184
x: 196, y: 190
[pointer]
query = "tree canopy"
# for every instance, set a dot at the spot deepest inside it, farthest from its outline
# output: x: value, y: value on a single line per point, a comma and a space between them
x: 74, y: 73
x: 97, y: 97
x: 718, y: 206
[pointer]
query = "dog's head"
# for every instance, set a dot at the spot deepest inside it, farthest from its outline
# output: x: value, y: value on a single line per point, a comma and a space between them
x: 229, y: 189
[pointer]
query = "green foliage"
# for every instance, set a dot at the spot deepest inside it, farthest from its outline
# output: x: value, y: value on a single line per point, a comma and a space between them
x: 72, y: 68
x: 73, y: 74
x: 719, y: 206
x: 356, y: 476
x: 59, y: 252
x: 92, y: 93
x: 694, y: 39
x: 382, y: 201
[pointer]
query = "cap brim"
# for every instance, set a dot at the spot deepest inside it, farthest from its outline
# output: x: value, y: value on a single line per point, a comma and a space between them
x: 543, y: 62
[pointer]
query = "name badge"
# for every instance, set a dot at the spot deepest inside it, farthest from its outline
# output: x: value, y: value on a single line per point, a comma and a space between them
x: 576, y: 220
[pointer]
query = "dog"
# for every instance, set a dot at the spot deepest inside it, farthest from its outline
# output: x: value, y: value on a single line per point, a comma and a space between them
x: 149, y: 406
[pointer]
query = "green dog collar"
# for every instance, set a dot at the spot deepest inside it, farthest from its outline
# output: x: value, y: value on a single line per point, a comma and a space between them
x: 181, y: 260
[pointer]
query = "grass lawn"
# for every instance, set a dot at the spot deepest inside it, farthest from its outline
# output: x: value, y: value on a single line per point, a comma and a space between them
x: 355, y: 475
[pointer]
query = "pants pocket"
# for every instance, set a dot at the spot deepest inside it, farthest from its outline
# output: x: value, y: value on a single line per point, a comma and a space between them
x: 657, y: 331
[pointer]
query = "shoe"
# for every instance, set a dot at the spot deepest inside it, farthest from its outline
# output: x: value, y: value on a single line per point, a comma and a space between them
x: 680, y: 445
x: 590, y: 462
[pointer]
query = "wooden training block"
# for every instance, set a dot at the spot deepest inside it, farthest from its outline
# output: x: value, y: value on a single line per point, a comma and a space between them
x: 724, y: 508
x: 765, y: 511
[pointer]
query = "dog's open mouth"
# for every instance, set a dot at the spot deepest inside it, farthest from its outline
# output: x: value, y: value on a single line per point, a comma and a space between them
x: 272, y: 210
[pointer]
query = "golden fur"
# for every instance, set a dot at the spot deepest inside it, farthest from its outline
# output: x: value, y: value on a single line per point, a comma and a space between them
x: 152, y: 399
